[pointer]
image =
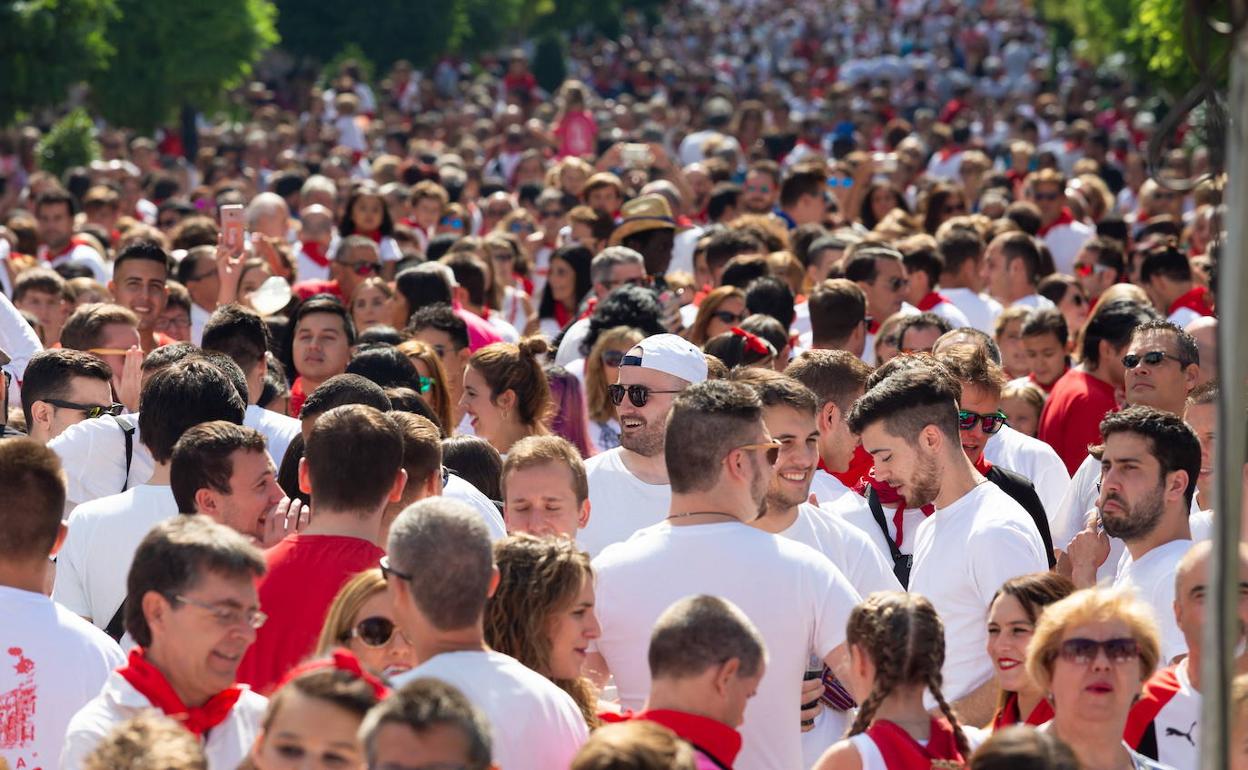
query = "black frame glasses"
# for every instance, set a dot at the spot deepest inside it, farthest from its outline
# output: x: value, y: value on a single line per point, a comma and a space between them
x: 638, y: 395
x: 1151, y: 358
x: 90, y: 410
x: 732, y: 319
x: 990, y: 423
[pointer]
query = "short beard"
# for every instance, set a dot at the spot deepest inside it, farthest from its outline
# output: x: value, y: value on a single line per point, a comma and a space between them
x: 648, y: 442
x: 925, y: 486
x: 1140, y: 519
x: 777, y: 501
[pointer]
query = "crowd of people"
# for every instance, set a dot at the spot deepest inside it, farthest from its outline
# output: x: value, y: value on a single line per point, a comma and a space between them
x: 792, y: 387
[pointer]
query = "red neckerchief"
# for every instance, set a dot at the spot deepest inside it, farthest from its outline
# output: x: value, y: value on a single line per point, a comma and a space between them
x: 74, y: 242
x: 902, y: 752
x: 1197, y: 299
x: 153, y: 685
x: 374, y: 234
x: 931, y: 300
x: 887, y: 495
x: 297, y: 396
x: 946, y: 153
x: 1008, y: 715
x: 562, y: 315
x: 1158, y: 690
x: 710, y: 736
x: 1046, y: 388
x: 1064, y: 218
x: 983, y: 466
x: 859, y: 468
x: 874, y: 326
x: 342, y: 660
x: 590, y: 304
x: 315, y: 252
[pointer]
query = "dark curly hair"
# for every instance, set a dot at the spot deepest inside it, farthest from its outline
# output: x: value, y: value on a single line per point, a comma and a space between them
x: 627, y: 305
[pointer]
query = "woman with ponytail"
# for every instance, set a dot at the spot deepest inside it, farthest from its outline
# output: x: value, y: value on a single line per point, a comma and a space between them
x: 896, y: 648
x: 506, y: 396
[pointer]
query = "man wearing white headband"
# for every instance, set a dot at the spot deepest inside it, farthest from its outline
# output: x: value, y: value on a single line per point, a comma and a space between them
x: 628, y: 486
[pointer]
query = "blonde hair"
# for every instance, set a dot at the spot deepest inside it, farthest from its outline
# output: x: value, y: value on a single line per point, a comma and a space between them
x: 1091, y: 605
x: 439, y: 399
x: 346, y: 605
x: 599, y: 405
x: 148, y: 741
x: 710, y: 304
x: 1028, y: 392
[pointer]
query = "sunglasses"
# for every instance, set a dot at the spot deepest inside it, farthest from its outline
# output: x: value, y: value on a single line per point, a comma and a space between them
x: 638, y: 395
x: 1083, y: 271
x: 731, y: 319
x: 1151, y: 358
x: 552, y: 214
x: 771, y: 447
x: 758, y: 188
x: 956, y: 208
x: 90, y: 410
x: 1081, y: 651
x: 456, y: 223
x: 426, y: 384
x: 520, y: 227
x: 360, y: 268
x: 990, y: 423
x: 612, y: 357
x: 896, y: 284
x: 1047, y: 197
x: 372, y: 632
x: 845, y: 182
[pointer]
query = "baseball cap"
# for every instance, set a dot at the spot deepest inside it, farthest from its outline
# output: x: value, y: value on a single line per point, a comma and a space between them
x: 669, y: 354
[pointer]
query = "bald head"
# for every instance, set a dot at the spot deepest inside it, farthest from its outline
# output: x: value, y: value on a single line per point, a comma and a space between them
x: 318, y: 222
x: 1191, y: 584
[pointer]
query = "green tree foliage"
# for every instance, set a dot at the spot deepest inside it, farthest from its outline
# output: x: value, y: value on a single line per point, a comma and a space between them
x: 70, y: 142
x: 174, y: 53
x: 46, y: 46
x: 386, y: 30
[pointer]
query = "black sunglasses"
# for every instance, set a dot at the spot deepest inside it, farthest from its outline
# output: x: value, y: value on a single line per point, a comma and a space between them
x: 991, y: 423
x: 1081, y: 651
x: 728, y: 318
x: 637, y: 394
x: 373, y: 632
x: 90, y: 410
x: 360, y: 268
x: 1151, y: 358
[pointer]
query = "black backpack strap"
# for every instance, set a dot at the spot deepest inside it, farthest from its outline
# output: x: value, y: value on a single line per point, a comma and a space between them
x: 901, y: 562
x: 127, y: 430
x: 116, y: 627
x: 1148, y: 742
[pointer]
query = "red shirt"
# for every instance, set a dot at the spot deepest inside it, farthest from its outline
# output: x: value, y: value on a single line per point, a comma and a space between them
x: 306, y: 289
x: 305, y: 574
x: 1072, y: 416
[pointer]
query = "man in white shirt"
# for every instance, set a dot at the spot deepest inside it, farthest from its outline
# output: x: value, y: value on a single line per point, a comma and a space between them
x: 961, y: 280
x: 198, y: 273
x: 103, y: 534
x: 1011, y: 271
x: 440, y: 571
x: 545, y: 489
x: 976, y: 538
x: 419, y: 724
x: 1149, y: 466
x: 54, y: 211
x: 63, y: 387
x: 612, y: 267
x: 878, y: 271
x: 1060, y: 231
x: 628, y: 487
x: 55, y: 661
x: 837, y: 315
x: 837, y: 379
x: 194, y: 612
x: 1166, y: 275
x: 1167, y: 717
x: 720, y: 461
x: 241, y: 334
x: 923, y: 268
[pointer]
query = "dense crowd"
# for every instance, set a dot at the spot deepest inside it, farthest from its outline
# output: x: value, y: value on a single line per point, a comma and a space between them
x: 791, y: 387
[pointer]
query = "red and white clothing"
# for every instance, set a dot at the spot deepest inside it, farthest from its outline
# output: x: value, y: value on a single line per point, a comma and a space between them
x: 312, y: 262
x: 78, y: 251
x: 886, y: 746
x: 980, y: 309
x: 1164, y: 723
x: 1072, y: 416
x: 937, y: 303
x: 228, y: 723
x: 1194, y: 304
x: 715, y: 744
x: 577, y: 133
x: 1009, y: 713
x: 1065, y: 236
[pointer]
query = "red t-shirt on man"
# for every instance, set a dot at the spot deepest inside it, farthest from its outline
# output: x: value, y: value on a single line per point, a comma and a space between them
x: 1072, y: 416
x: 305, y: 574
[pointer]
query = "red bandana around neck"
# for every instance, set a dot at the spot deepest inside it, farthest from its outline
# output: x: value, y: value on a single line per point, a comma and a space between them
x: 931, y: 300
x: 316, y: 253
x: 983, y: 466
x: 374, y: 234
x: 860, y: 466
x: 148, y: 680
x: 1009, y: 714
x: 1064, y: 218
x: 887, y: 495
x: 902, y: 752
x: 1197, y: 300
x: 562, y: 315
x: 874, y: 326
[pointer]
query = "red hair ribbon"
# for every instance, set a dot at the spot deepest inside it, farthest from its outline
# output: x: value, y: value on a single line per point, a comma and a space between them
x: 754, y: 343
x: 341, y: 660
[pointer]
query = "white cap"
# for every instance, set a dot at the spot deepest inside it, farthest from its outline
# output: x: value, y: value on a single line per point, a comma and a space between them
x: 669, y: 354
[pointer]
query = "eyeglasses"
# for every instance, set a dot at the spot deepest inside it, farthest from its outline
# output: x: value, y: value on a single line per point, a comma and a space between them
x: 1081, y: 651
x: 642, y: 281
x: 426, y: 384
x: 836, y: 181
x: 897, y: 284
x: 1046, y: 197
x: 108, y: 351
x: 360, y: 268
x: 224, y: 614
x: 386, y: 570
x: 612, y: 357
x: 174, y: 322
x: 1083, y: 270
x: 1151, y: 358
x: 372, y: 632
x: 520, y: 227
x: 731, y: 319
x: 90, y: 410
x: 456, y: 223
x: 552, y: 214
x: 772, y: 448
x: 956, y: 208
x: 990, y: 423
x: 758, y: 188
x: 637, y: 394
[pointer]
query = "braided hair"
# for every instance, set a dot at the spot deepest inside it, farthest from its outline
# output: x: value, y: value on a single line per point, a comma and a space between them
x: 905, y: 640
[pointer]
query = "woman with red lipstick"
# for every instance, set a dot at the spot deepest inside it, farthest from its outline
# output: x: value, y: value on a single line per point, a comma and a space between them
x: 1012, y: 617
x: 542, y: 612
x: 1091, y: 654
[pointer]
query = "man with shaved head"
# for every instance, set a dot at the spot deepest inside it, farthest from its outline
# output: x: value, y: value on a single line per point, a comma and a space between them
x: 312, y: 262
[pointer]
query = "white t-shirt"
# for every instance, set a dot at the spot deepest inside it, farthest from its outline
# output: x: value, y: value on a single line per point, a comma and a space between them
x: 1152, y: 578
x: 619, y: 502
x: 1183, y: 316
x: 1072, y: 512
x: 798, y: 600
x: 92, y: 565
x: 1034, y: 460
x: 1064, y: 242
x: 848, y: 547
x: 54, y: 663
x: 570, y: 346
x: 307, y: 269
x: 535, y: 725
x: 827, y: 488
x: 962, y: 555
x: 951, y: 313
x: 1035, y: 301
x: 855, y: 510
x: 278, y: 429
x: 1177, y: 725
x: 226, y: 746
x: 100, y: 270
x: 199, y: 317
x: 980, y: 309
x: 463, y: 491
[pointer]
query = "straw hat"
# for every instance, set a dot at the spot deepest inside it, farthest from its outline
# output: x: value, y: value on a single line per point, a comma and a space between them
x: 645, y: 212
